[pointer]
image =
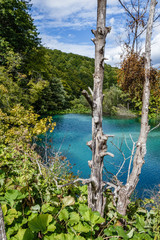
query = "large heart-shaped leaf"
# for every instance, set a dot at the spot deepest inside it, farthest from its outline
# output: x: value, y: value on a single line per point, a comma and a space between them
x: 63, y: 215
x: 40, y: 223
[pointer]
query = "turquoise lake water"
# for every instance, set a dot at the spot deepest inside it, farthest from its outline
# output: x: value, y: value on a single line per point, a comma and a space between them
x: 72, y: 131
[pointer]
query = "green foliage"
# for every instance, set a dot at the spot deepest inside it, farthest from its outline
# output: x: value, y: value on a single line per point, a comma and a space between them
x: 52, y: 98
x: 47, y: 80
x: 76, y: 72
x: 26, y: 76
x: 34, y: 207
x: 16, y: 25
x: 21, y: 125
x: 29, y: 211
x: 112, y: 97
x: 80, y: 105
x: 10, y: 92
x: 116, y: 102
x: 65, y: 217
x: 8, y: 57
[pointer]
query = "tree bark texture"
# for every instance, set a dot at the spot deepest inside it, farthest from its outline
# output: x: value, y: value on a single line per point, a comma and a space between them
x: 96, y: 200
x: 2, y: 226
x: 126, y: 191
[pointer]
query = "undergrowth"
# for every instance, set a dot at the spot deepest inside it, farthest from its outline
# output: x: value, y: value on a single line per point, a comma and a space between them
x: 35, y: 208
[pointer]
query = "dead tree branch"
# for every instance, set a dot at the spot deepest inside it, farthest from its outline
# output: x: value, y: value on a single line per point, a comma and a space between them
x: 88, y: 98
x: 157, y: 126
x: 84, y: 181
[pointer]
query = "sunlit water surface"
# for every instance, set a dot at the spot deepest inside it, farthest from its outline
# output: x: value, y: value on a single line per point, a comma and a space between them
x: 72, y: 131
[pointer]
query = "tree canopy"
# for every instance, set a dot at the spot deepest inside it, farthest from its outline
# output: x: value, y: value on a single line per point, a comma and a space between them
x: 76, y: 72
x: 131, y: 79
x: 16, y: 25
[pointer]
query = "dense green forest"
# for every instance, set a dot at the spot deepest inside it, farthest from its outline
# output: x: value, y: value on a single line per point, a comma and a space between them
x: 35, y: 197
x: 75, y: 73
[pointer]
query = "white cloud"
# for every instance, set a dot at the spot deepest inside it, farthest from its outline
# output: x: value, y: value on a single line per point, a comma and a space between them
x: 81, y: 49
x: 155, y: 45
x: 155, y: 52
x: 58, y: 9
x: 80, y: 15
x: 113, y: 10
x: 113, y: 55
x: 75, y: 24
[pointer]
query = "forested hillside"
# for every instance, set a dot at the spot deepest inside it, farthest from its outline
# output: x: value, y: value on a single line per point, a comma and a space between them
x: 71, y: 74
x: 76, y: 72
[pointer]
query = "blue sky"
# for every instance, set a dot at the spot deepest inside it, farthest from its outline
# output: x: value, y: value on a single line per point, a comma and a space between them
x: 66, y: 25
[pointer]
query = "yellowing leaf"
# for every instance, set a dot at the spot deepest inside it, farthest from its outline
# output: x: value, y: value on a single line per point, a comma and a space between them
x: 68, y: 201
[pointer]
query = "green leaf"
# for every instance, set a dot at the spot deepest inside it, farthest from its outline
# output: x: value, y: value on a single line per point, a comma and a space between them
x: 4, y: 209
x: 83, y: 208
x: 96, y: 218
x: 12, y: 211
x: 47, y: 208
x: 24, y: 234
x: 74, y: 218
x: 68, y: 201
x: 81, y: 228
x: 78, y: 238
x: 143, y: 236
x: 8, y: 219
x: 33, y: 215
x: 140, y: 223
x: 110, y: 231
x: 87, y: 215
x: 110, y: 205
x: 152, y: 212
x: 130, y: 234
x: 141, y: 210
x: 51, y: 228
x: 121, y: 232
x: 40, y: 223
x: 84, y: 189
x: 24, y: 221
x: 92, y: 217
x: 63, y: 215
x: 63, y: 236
x: 12, y: 195
x: 111, y: 214
x: 35, y: 208
x: 11, y: 215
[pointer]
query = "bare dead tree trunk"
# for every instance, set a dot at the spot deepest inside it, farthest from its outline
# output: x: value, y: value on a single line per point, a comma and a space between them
x: 2, y: 226
x: 96, y: 199
x: 125, y: 191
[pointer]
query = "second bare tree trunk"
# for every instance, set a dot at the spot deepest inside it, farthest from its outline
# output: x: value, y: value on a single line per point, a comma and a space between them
x: 126, y: 190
